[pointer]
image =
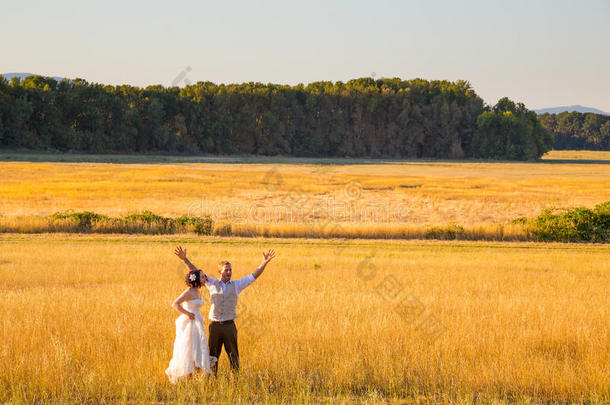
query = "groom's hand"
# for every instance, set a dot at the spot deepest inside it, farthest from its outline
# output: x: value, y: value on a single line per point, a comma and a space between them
x: 181, y: 253
x: 266, y: 259
x: 268, y: 256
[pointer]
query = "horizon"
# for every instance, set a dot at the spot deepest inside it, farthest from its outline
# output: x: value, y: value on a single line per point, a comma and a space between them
x: 546, y: 57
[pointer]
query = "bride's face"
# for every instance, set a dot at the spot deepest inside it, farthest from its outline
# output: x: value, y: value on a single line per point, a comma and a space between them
x: 225, y: 273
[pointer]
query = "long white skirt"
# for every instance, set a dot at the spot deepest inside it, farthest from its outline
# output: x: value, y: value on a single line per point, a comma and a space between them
x: 190, y: 349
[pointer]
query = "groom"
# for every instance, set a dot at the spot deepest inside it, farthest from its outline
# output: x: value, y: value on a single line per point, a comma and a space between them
x: 223, y: 298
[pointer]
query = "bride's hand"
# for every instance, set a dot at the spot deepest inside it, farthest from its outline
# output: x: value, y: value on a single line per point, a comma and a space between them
x: 181, y: 253
x: 191, y: 316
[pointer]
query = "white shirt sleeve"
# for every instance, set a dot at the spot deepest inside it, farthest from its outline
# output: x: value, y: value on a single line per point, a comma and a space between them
x: 243, y: 283
x: 209, y: 281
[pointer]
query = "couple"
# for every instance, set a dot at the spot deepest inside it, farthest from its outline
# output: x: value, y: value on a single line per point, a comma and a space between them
x: 191, y: 350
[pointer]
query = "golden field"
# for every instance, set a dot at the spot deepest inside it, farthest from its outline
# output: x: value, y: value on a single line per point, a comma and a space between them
x: 293, y: 191
x: 88, y: 319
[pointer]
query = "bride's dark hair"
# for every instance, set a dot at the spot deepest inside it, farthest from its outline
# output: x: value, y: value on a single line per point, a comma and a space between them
x: 194, y: 282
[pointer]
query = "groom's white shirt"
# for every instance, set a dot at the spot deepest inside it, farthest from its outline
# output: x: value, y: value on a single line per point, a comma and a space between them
x: 239, y: 284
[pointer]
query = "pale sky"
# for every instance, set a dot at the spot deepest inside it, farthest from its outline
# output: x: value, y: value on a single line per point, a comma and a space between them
x: 542, y: 53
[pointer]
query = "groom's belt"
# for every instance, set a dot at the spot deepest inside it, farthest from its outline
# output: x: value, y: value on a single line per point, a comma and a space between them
x: 223, y: 322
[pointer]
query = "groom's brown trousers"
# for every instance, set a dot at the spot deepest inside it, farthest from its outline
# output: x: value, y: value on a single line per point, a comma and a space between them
x: 224, y: 333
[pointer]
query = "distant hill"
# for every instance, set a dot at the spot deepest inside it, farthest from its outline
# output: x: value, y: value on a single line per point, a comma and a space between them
x: 21, y: 76
x: 577, y: 108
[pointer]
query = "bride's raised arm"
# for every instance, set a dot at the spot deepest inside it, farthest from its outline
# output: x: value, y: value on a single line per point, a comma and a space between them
x: 181, y: 253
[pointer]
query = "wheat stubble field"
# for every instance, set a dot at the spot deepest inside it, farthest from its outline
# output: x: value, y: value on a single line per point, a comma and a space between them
x: 87, y: 318
x: 420, y: 191
x: 304, y: 197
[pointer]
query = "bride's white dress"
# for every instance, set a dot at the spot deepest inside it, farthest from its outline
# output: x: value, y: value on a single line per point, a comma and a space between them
x: 191, y: 344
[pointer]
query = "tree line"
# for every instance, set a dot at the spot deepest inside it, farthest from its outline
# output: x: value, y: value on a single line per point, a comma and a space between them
x: 361, y: 118
x: 575, y: 130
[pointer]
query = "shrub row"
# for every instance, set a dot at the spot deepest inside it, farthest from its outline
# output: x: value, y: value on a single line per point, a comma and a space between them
x: 553, y: 225
x: 145, y: 222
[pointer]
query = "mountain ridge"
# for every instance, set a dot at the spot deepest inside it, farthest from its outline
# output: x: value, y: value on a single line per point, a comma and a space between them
x: 21, y: 76
x: 576, y: 107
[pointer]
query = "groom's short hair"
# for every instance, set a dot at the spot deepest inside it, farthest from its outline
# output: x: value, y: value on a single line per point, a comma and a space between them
x: 223, y: 263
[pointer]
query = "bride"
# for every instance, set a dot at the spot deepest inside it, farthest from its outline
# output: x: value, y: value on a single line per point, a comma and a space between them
x: 191, y: 345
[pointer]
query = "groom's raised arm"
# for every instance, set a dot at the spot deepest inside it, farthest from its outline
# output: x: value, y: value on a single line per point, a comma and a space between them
x: 266, y: 259
x: 242, y: 283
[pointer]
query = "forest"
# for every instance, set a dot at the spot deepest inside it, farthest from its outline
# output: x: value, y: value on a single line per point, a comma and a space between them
x: 575, y: 130
x: 363, y: 117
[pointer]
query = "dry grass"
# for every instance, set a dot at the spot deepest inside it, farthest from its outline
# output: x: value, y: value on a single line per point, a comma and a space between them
x: 88, y: 319
x: 489, y: 232
x: 366, y: 193
x: 324, y: 229
x: 581, y: 155
x: 71, y: 223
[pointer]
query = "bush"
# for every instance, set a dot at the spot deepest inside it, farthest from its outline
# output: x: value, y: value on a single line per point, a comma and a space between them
x: 451, y: 231
x: 146, y: 222
x: 156, y: 223
x: 573, y: 225
x: 85, y: 220
x: 520, y: 221
x: 201, y: 225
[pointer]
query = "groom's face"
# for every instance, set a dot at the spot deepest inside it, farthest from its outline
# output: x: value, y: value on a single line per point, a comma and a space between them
x: 225, y: 272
